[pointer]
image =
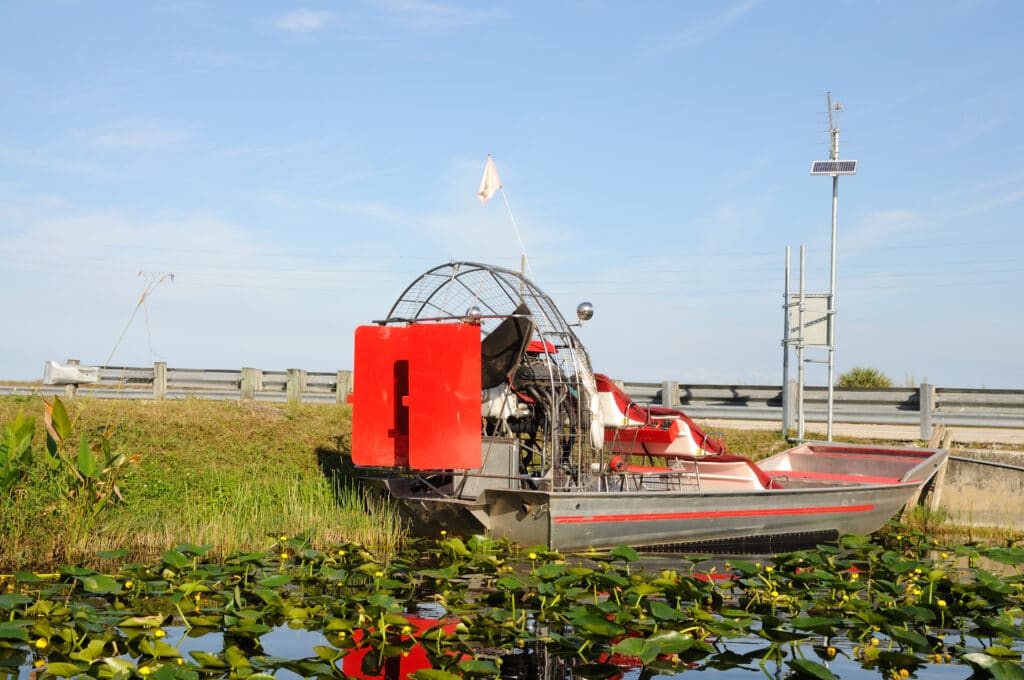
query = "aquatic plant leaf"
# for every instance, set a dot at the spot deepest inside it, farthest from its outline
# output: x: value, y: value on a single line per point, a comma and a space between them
x: 744, y: 567
x: 90, y: 652
x: 119, y: 668
x: 551, y: 570
x: 915, y: 613
x: 434, y: 674
x: 1011, y: 556
x: 663, y: 612
x: 176, y: 560
x: 910, y: 638
x: 899, y: 659
x: 101, y: 585
x: 237, y: 658
x: 625, y: 553
x: 631, y: 646
x: 10, y: 601
x: 158, y: 649
x: 454, y: 546
x: 805, y: 668
x: 671, y: 641
x: 209, y: 661
x: 1002, y: 652
x: 1002, y: 670
x: 14, y: 630
x: 479, y: 667
x: 598, y: 625
x: 152, y: 621
x: 329, y: 654
x: 818, y: 624
x: 275, y: 581
x: 269, y: 596
x: 64, y: 670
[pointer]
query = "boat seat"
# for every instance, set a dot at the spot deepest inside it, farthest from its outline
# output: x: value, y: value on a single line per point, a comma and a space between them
x: 503, y: 349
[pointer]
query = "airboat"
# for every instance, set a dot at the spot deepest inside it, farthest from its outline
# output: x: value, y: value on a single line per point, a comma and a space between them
x: 476, y: 409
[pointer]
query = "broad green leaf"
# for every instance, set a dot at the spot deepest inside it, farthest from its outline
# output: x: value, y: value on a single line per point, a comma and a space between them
x: 86, y: 459
x: 479, y: 667
x: 598, y: 625
x: 1002, y: 670
x: 102, y: 585
x: 671, y: 641
x: 209, y: 661
x: 434, y: 674
x: 152, y: 621
x: 120, y: 667
x: 14, y: 630
x: 275, y: 581
x: 176, y: 560
x: 625, y: 553
x: 1002, y: 652
x: 158, y: 649
x: 806, y: 668
x: 59, y: 418
x: 631, y: 646
x: 12, y: 600
x: 64, y: 670
x: 90, y: 652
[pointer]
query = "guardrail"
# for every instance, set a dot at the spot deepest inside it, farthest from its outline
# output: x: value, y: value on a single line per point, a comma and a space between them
x: 926, y: 405
x: 161, y: 383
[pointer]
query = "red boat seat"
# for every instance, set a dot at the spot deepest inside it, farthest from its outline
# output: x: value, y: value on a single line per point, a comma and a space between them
x: 627, y: 421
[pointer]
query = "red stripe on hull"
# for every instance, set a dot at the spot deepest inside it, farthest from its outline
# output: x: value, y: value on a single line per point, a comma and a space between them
x: 664, y: 516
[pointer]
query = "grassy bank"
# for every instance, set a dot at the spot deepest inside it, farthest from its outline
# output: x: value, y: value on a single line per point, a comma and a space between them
x: 202, y: 472
x: 235, y: 476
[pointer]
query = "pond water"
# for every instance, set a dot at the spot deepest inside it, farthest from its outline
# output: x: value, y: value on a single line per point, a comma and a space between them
x: 740, y: 659
x: 857, y: 610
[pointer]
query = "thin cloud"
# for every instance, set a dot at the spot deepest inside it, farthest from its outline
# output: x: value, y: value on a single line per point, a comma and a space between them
x: 707, y: 30
x: 141, y: 135
x: 434, y: 15
x: 303, y: 21
x: 884, y: 226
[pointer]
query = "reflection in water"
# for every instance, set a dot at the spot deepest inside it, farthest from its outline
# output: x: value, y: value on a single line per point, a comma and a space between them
x: 735, y: 659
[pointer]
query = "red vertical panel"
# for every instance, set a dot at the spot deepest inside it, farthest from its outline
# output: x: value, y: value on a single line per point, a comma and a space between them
x: 444, y: 396
x: 380, y: 422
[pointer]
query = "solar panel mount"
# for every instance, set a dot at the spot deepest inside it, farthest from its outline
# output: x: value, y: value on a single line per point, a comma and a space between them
x: 834, y: 168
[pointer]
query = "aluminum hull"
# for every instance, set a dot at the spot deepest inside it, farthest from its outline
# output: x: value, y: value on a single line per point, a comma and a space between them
x: 578, y: 520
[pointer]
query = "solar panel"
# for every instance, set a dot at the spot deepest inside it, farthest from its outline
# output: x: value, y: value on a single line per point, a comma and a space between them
x: 834, y: 168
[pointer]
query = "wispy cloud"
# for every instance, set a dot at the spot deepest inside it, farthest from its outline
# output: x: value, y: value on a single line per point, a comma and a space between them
x: 433, y: 15
x: 884, y: 226
x: 303, y: 21
x: 704, y: 31
x: 141, y: 135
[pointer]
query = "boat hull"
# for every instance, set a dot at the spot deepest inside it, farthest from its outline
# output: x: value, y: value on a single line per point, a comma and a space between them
x: 578, y: 521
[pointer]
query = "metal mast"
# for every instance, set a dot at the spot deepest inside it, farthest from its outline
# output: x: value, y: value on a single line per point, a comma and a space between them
x: 833, y: 167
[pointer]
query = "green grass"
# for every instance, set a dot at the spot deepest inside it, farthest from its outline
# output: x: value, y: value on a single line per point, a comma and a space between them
x: 234, y: 475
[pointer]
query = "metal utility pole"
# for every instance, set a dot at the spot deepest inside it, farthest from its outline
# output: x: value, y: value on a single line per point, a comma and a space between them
x: 833, y: 167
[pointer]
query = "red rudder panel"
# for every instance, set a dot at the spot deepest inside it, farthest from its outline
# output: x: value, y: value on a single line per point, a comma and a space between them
x: 380, y: 381
x: 416, y: 396
x: 444, y: 396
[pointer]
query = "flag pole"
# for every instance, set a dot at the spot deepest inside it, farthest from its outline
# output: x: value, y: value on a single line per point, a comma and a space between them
x: 491, y: 183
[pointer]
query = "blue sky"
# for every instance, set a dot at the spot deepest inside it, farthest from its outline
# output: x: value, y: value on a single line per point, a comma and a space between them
x: 296, y: 165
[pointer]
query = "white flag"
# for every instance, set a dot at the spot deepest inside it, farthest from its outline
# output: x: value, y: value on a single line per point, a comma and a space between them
x: 490, y: 182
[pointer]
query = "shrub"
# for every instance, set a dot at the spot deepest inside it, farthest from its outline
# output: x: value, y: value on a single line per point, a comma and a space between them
x: 864, y: 377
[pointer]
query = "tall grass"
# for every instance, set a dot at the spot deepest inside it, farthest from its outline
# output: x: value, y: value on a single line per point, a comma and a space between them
x: 232, y: 475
